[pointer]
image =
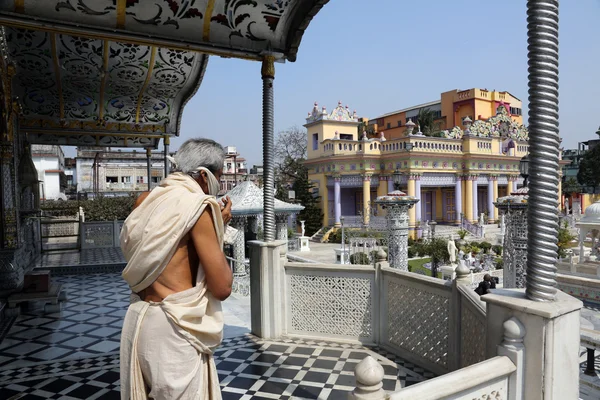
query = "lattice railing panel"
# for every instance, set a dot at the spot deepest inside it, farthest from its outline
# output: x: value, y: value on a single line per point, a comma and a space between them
x: 331, y: 305
x: 417, y: 320
x: 472, y: 336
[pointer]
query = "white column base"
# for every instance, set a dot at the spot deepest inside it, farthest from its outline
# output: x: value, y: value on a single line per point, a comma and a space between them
x: 551, y: 341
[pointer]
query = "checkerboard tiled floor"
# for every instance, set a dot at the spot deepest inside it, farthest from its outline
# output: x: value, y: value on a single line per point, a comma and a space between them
x: 85, y: 257
x: 74, y: 354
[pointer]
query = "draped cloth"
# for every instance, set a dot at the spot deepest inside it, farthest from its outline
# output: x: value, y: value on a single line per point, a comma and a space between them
x: 167, y: 346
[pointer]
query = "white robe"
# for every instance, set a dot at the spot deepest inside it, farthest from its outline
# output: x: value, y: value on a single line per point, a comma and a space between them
x: 166, y: 347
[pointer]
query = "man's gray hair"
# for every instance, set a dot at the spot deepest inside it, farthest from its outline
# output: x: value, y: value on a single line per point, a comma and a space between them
x: 196, y: 153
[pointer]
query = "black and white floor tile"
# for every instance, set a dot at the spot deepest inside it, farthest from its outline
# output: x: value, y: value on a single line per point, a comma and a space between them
x: 73, y: 354
x: 57, y: 261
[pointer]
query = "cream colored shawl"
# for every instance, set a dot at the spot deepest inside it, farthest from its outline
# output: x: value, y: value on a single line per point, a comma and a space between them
x: 153, y: 230
x: 149, y: 239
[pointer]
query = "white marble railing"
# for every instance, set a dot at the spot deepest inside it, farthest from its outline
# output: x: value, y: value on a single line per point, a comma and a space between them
x: 94, y: 235
x: 414, y: 307
x: 472, y: 326
x: 331, y: 301
x: 488, y: 379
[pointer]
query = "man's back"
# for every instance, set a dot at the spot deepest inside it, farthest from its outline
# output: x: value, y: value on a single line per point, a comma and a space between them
x: 181, y: 271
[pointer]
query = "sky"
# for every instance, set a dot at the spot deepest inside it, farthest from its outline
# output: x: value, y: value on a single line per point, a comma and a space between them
x: 379, y: 56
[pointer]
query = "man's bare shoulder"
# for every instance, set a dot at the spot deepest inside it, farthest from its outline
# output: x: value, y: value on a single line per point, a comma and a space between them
x: 140, y: 199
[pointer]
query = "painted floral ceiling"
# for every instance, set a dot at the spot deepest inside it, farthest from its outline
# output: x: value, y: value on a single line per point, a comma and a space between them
x: 76, y: 90
x: 234, y: 28
x: 119, y: 72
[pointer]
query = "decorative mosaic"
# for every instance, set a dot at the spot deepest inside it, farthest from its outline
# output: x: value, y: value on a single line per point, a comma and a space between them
x: 331, y: 305
x: 415, y: 313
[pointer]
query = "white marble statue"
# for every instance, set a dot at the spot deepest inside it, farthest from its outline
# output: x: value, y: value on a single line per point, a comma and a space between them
x: 566, y: 208
x: 81, y: 214
x: 482, y: 219
x: 302, y: 225
x: 452, y: 251
x: 470, y: 260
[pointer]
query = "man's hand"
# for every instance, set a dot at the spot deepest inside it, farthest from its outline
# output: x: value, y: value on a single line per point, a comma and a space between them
x: 226, y: 209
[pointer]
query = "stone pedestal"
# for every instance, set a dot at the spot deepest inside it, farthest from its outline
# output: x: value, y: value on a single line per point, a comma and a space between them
x: 304, y: 243
x: 551, y: 341
x: 267, y: 280
x: 397, y: 205
x: 448, y: 272
x: 342, y: 256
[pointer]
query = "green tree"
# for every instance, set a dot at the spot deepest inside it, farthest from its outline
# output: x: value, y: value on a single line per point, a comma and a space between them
x: 565, y: 237
x: 427, y: 122
x: 571, y: 186
x: 305, y: 195
x: 438, y: 249
x: 589, y: 168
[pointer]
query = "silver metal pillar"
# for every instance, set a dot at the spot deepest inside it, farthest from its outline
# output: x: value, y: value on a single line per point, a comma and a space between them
x: 149, y: 168
x: 268, y: 75
x: 166, y: 153
x: 542, y: 228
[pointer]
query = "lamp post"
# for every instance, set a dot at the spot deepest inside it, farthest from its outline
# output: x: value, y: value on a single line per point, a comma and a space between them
x: 524, y: 169
x: 397, y: 176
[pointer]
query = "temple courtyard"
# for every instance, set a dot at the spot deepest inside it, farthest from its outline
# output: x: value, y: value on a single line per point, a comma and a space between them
x: 74, y: 353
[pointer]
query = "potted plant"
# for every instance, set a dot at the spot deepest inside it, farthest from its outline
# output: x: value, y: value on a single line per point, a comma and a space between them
x: 462, y: 233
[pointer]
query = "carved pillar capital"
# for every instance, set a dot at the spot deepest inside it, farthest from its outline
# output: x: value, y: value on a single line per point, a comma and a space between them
x: 268, y: 67
x: 367, y: 176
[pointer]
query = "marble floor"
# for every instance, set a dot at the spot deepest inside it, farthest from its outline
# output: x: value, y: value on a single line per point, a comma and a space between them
x: 74, y: 354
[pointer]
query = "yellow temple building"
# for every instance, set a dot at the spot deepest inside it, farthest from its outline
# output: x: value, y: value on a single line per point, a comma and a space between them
x: 458, y: 172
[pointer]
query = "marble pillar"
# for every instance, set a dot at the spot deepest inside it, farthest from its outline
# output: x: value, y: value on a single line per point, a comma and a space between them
x: 366, y: 198
x: 337, y: 200
x: 495, y: 186
x: 490, y: 200
x: 475, y: 215
x: 397, y: 227
x: 239, y: 246
x: 281, y: 227
x: 458, y: 198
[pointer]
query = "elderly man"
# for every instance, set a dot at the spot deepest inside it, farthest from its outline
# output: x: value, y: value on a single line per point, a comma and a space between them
x: 173, y: 243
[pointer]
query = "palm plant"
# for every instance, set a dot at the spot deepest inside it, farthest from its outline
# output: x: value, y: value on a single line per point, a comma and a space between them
x: 427, y: 122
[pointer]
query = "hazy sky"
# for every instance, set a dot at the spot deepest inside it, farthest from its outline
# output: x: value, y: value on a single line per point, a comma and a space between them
x: 378, y: 56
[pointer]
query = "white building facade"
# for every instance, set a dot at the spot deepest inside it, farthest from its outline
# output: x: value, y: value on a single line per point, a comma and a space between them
x: 49, y: 160
x: 116, y: 173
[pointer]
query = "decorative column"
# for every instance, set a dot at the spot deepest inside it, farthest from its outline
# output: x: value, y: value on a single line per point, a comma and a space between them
x: 268, y: 75
x: 495, y: 187
x: 366, y: 198
x: 411, y: 193
x: 166, y: 154
x: 282, y: 226
x: 397, y: 204
x: 475, y: 199
x: 337, y: 199
x: 514, y: 255
x: 149, y: 167
x: 490, y: 199
x: 458, y: 198
x: 418, y: 196
x: 468, y: 197
x: 239, y: 245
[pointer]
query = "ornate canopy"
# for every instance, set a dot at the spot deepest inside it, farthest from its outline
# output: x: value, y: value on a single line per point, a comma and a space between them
x: 119, y: 72
x: 230, y: 28
x: 247, y: 200
x: 81, y: 91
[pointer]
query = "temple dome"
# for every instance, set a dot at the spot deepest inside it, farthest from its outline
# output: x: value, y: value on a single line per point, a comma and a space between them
x: 592, y: 213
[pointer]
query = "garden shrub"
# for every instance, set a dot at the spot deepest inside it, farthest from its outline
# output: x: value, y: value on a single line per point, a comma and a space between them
x: 497, y: 249
x: 499, y: 263
x: 359, y: 259
x: 98, y: 209
x: 485, y: 246
x: 411, y: 252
